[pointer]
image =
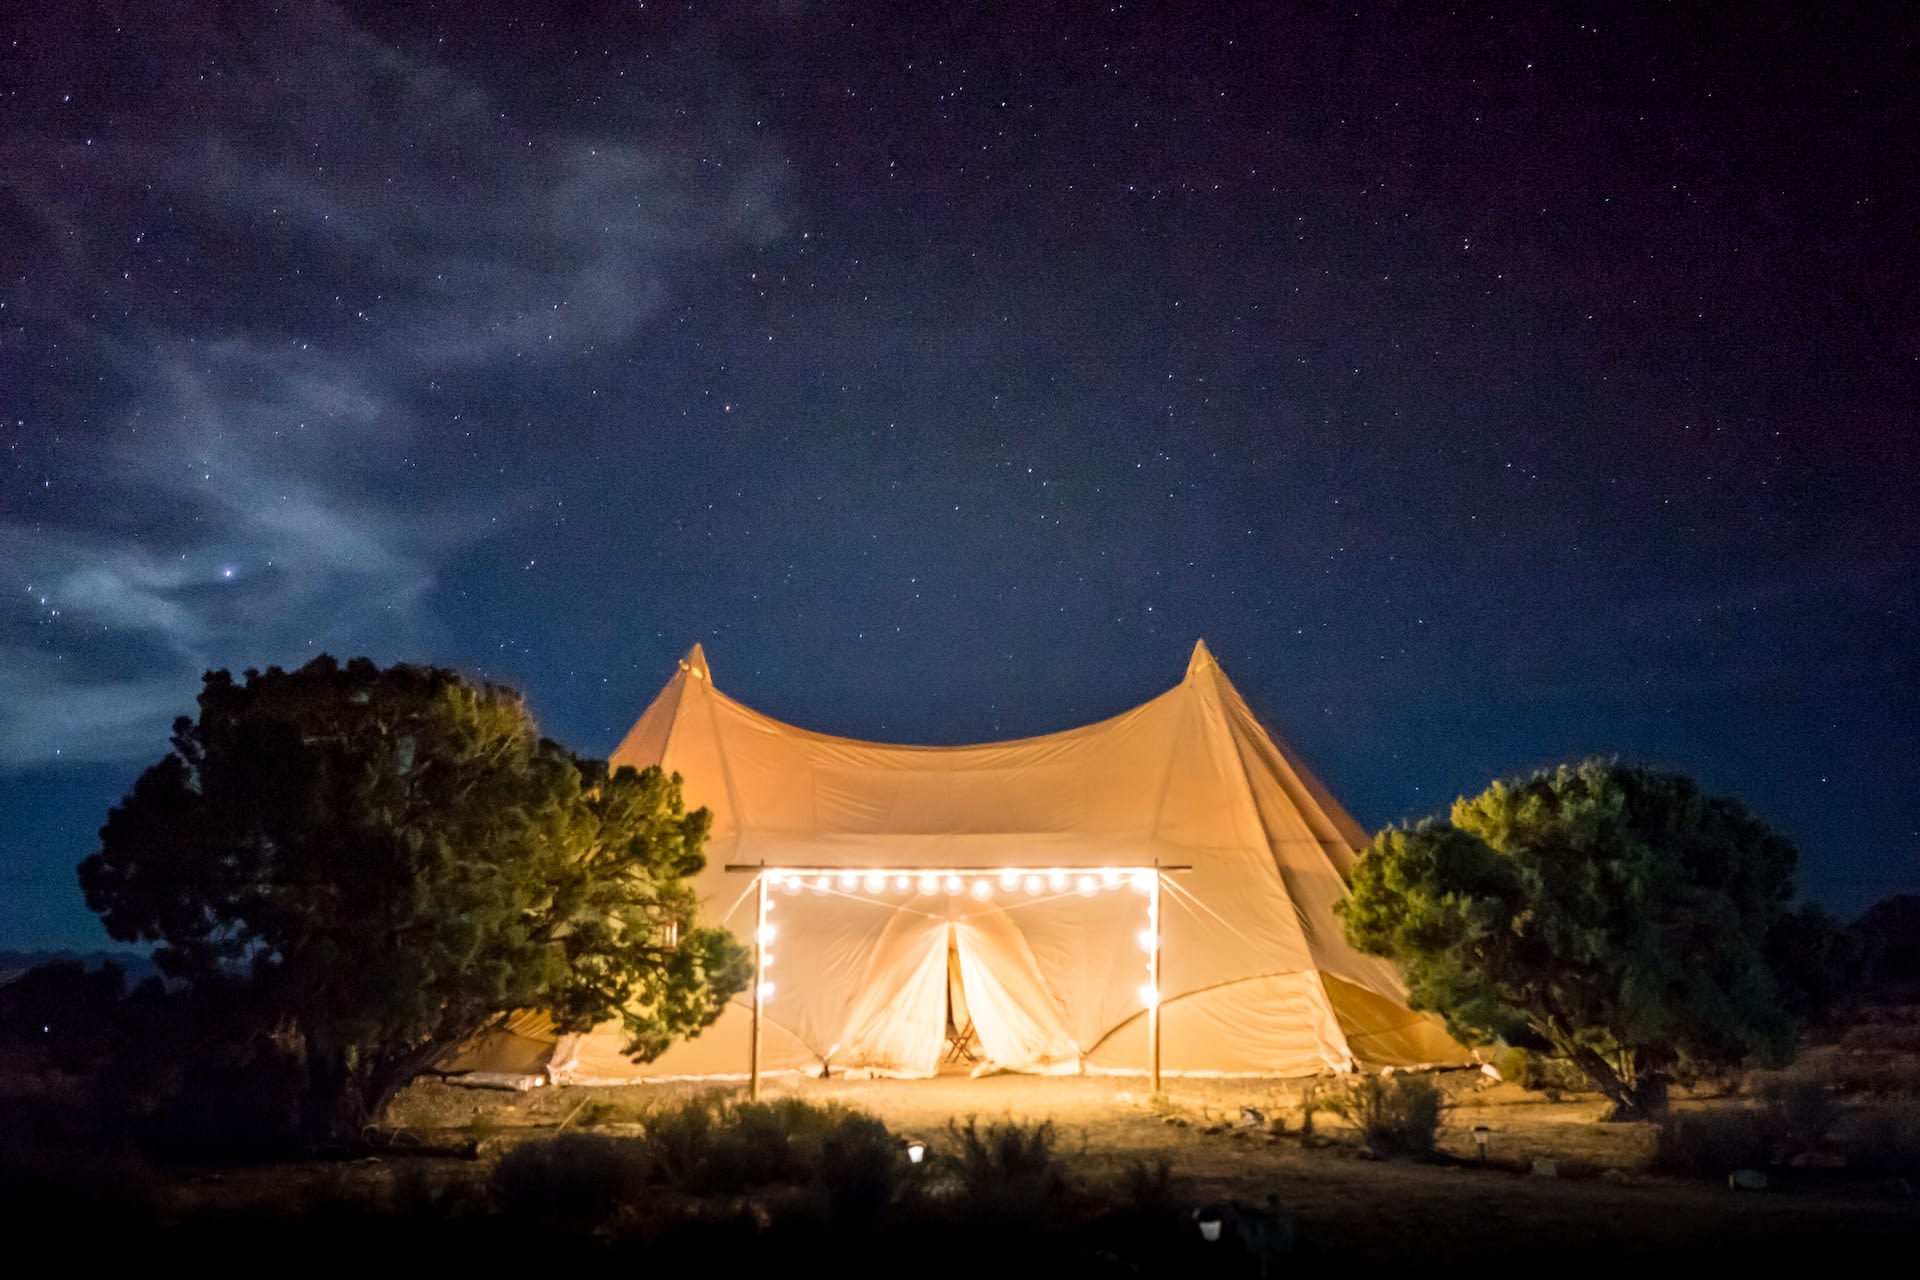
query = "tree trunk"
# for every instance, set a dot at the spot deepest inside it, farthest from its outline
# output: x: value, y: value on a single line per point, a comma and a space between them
x: 1642, y: 1098
x: 336, y: 1109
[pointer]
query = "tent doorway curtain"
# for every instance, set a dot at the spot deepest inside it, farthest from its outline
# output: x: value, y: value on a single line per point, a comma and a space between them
x: 963, y: 1043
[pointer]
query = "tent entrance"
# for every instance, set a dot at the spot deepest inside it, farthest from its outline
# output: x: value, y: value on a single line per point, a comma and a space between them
x: 962, y: 1048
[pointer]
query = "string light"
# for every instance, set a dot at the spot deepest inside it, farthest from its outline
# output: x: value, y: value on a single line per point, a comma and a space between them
x: 1056, y: 880
x: 875, y: 882
x: 1149, y: 995
x: 767, y: 933
x: 1009, y: 880
x: 766, y: 991
x: 982, y: 889
x: 848, y: 879
x: 929, y: 884
x: 902, y: 883
x: 1087, y: 886
x: 822, y: 883
x: 1147, y: 941
x: 1034, y: 884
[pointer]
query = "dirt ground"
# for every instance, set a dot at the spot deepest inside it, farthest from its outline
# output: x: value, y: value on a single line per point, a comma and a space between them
x: 1600, y: 1190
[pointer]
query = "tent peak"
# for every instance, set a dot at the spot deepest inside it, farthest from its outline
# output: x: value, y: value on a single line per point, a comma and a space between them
x: 1202, y: 659
x: 695, y: 663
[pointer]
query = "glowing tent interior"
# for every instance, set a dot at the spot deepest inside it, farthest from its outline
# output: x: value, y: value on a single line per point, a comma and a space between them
x: 992, y: 903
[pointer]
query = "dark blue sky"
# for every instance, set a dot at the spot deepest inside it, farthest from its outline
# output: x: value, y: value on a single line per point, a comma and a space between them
x: 1488, y: 386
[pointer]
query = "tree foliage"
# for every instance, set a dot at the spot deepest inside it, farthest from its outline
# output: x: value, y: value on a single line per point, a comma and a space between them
x: 1616, y: 914
x: 388, y: 859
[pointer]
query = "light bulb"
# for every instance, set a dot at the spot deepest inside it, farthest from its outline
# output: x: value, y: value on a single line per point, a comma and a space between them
x: 1142, y: 881
x: 1147, y: 940
x: 875, y: 882
x: 953, y: 884
x: 1087, y: 886
x: 1034, y: 884
x: 1109, y: 877
x: 1149, y: 995
x: 1009, y: 880
x: 766, y: 991
x: 848, y: 879
x: 902, y: 883
x: 929, y: 884
x: 766, y: 934
x: 982, y: 889
x: 1056, y: 880
x: 822, y: 883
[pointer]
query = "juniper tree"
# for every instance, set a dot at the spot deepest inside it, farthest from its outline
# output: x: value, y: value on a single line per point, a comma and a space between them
x: 388, y: 859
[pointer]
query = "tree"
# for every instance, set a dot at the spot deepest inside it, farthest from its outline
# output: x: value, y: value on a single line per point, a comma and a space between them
x: 380, y: 862
x: 1614, y: 914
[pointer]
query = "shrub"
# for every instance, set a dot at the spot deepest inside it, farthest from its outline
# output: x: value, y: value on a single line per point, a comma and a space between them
x: 576, y: 1178
x: 1148, y: 1188
x: 1396, y: 1115
x: 1883, y: 1139
x: 706, y: 1145
x: 1796, y: 1108
x: 1008, y: 1165
x: 1538, y: 1072
x: 860, y: 1168
x: 1714, y: 1142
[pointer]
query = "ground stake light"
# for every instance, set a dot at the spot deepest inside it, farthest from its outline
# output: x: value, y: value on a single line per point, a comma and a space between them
x: 916, y: 1151
x: 1480, y: 1135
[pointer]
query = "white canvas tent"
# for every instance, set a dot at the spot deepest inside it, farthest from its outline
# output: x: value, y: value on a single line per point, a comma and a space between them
x: 914, y: 890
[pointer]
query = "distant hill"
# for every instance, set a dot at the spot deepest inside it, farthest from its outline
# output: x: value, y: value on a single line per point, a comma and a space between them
x: 137, y: 966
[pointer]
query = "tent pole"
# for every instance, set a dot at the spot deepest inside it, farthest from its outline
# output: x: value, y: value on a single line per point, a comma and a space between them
x: 759, y: 951
x: 1153, y: 965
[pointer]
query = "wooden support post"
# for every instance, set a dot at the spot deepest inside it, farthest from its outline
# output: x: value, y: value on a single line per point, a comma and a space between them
x: 759, y: 980
x: 1153, y: 971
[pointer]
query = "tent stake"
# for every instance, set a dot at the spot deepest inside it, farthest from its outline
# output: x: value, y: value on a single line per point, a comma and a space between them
x: 759, y: 950
x: 1153, y: 962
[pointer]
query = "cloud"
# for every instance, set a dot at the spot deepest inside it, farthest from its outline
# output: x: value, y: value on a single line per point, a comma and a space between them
x: 261, y: 270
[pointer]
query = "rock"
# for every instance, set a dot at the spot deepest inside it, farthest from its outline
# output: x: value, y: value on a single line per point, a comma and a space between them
x: 1544, y: 1168
x: 1619, y: 1177
x: 1746, y: 1180
x: 1214, y: 1128
x: 1253, y: 1118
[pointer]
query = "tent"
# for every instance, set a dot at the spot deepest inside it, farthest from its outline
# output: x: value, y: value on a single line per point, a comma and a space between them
x: 997, y: 904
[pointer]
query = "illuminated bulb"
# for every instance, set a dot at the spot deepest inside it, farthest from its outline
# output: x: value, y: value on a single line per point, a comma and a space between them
x: 929, y: 884
x: 791, y: 884
x: 1087, y: 886
x: 875, y: 882
x: 766, y: 934
x: 1009, y: 880
x: 848, y: 879
x: 1149, y: 996
x: 1109, y: 877
x: 822, y: 883
x: 982, y: 889
x: 1056, y: 880
x: 1034, y: 884
x: 766, y: 991
x: 1142, y: 881
x: 916, y: 1152
x: 952, y: 885
x: 1147, y: 940
x: 776, y: 878
x: 766, y: 960
x: 902, y: 883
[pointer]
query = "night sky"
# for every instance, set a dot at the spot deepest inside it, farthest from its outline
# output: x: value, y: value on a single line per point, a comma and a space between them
x: 1488, y: 385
